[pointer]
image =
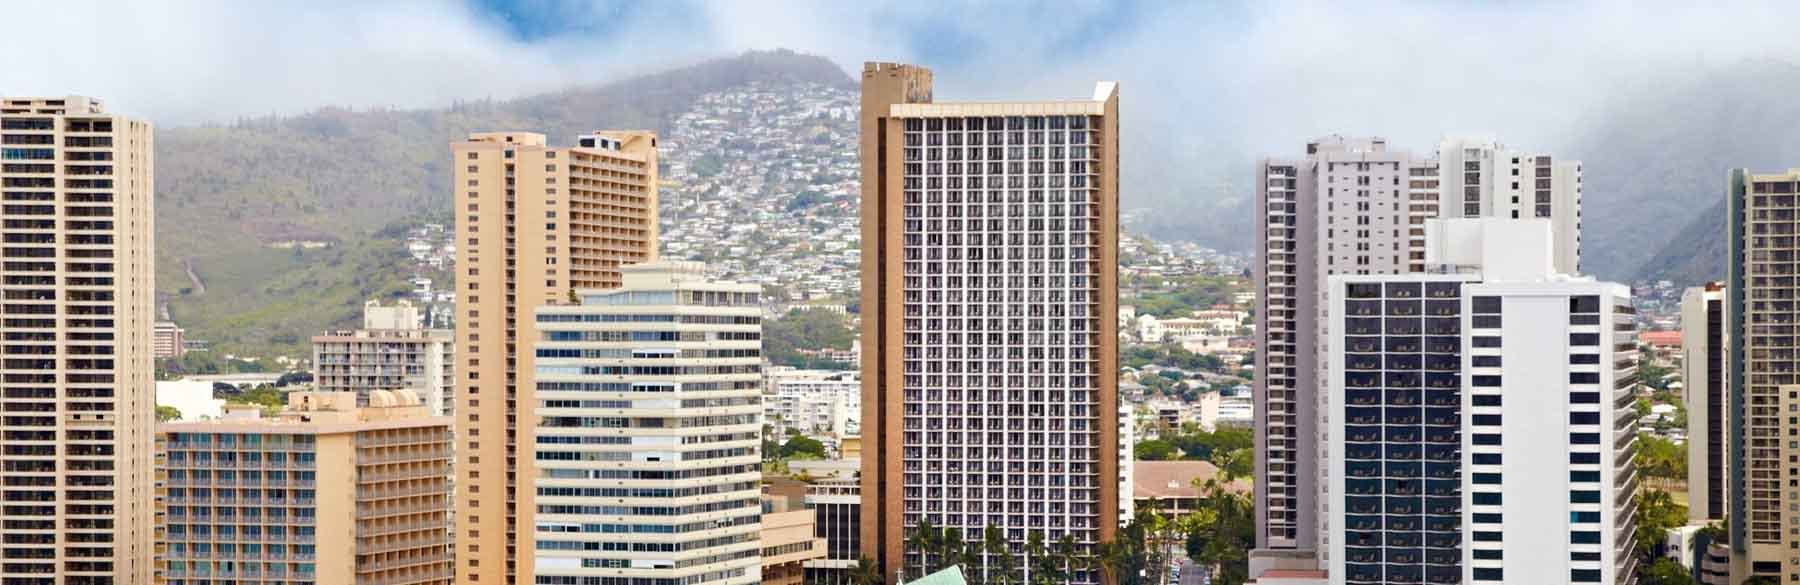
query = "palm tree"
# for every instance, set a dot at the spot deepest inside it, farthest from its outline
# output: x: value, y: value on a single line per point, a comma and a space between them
x: 929, y: 541
x: 951, y: 552
x: 1066, y: 555
x: 1046, y: 569
x: 1110, y: 557
x: 866, y: 572
x: 1000, y: 565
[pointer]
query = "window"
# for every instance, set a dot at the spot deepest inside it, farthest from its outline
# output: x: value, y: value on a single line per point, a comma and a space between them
x: 1487, y: 400
x: 1587, y: 339
x: 1487, y: 341
x: 1584, y: 418
x: 1486, y: 361
x: 1584, y: 497
x: 1489, y: 573
x: 1488, y: 305
x: 1487, y: 458
x: 1584, y: 377
x: 1582, y: 458
x: 1487, y: 498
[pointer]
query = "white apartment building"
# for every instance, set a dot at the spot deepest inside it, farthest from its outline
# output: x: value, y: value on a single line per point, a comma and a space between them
x: 648, y: 399
x: 830, y: 406
x: 1703, y: 384
x: 1352, y: 206
x: 1482, y: 417
x: 393, y: 351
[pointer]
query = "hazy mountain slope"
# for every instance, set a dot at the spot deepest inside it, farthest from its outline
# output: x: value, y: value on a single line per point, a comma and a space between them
x: 1655, y: 162
x: 226, y: 193
x: 1696, y: 254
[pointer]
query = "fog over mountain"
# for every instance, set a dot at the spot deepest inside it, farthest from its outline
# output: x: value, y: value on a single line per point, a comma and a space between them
x: 1658, y: 98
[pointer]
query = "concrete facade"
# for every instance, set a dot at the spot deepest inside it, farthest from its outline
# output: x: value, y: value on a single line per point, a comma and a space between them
x: 392, y: 352
x: 80, y: 398
x: 325, y: 492
x: 648, y: 402
x: 1481, y: 417
x: 990, y: 327
x: 1762, y: 385
x: 1703, y: 384
x: 1354, y: 206
x: 533, y: 224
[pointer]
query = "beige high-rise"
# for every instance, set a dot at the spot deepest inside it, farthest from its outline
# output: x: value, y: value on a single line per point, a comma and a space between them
x: 79, y: 397
x: 533, y: 223
x: 1762, y: 388
x: 325, y: 492
x: 990, y: 303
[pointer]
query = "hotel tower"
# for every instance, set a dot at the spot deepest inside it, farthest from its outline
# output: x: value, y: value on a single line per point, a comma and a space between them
x: 990, y: 295
x: 78, y: 316
x: 533, y: 224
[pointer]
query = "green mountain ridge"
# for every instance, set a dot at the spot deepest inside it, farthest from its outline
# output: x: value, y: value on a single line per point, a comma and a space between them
x: 227, y: 195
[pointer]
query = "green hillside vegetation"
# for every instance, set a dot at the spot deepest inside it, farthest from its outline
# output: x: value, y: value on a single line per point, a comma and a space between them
x: 806, y: 329
x: 226, y: 193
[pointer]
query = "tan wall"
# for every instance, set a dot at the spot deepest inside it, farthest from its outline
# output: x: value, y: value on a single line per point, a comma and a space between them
x: 881, y: 279
x: 336, y: 508
x: 587, y: 252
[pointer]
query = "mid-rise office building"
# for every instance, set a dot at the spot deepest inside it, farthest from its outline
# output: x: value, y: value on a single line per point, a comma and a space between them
x: 1354, y: 206
x: 393, y: 351
x: 1761, y: 383
x: 533, y: 224
x: 836, y: 504
x: 1481, y: 417
x: 648, y: 404
x: 79, y: 314
x: 990, y: 327
x: 324, y: 492
x: 1703, y: 385
x: 789, y: 541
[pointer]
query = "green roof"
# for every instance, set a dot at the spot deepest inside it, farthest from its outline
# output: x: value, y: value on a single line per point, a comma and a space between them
x: 949, y: 576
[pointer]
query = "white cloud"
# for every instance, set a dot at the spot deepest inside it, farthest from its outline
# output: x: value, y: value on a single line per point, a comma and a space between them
x: 1197, y: 77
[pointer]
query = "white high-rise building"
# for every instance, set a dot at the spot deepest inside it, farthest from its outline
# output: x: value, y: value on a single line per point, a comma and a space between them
x: 1353, y: 206
x: 1480, y: 415
x: 648, y: 400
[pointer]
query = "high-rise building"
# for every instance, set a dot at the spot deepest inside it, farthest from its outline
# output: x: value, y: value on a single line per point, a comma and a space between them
x: 836, y: 504
x: 1480, y: 415
x: 80, y: 399
x: 1353, y: 206
x: 170, y: 340
x: 648, y: 405
x: 533, y: 224
x: 1762, y: 389
x: 392, y: 351
x: 324, y: 492
x: 990, y: 300
x: 1703, y: 385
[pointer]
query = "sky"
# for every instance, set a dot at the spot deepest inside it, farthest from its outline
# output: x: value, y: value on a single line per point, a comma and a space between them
x: 1197, y: 78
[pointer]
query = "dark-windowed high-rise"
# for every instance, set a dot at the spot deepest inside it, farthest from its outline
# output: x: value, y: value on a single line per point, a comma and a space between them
x: 989, y: 283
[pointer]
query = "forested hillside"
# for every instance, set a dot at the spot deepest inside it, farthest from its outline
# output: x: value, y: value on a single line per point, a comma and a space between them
x: 229, y: 196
